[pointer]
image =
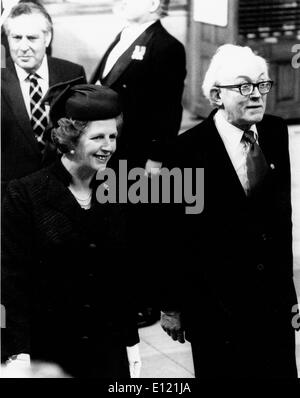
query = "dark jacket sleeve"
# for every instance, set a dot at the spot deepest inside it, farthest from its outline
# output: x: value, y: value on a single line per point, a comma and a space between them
x: 17, y: 249
x: 169, y: 71
x: 284, y: 206
x: 131, y: 334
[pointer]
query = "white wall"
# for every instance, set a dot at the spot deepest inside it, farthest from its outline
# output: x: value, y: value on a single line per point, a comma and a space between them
x: 84, y: 38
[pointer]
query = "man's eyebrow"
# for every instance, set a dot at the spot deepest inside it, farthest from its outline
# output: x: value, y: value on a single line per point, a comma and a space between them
x: 247, y: 77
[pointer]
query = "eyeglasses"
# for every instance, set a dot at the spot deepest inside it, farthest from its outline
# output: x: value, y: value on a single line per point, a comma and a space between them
x: 248, y: 88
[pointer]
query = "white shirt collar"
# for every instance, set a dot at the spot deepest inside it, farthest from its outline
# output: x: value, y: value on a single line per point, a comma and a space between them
x: 135, y: 29
x: 42, y: 71
x: 229, y: 133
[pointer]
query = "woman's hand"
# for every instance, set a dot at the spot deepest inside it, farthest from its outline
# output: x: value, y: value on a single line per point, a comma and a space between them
x: 134, y: 360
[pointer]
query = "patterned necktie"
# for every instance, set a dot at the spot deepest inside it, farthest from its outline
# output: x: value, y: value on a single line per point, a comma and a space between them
x: 256, y: 164
x: 39, y: 117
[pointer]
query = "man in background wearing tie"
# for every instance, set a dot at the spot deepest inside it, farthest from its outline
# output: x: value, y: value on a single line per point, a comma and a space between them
x: 25, y: 80
x: 146, y: 66
x: 230, y: 290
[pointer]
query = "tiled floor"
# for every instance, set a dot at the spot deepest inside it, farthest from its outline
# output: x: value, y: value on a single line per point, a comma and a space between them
x: 163, y: 357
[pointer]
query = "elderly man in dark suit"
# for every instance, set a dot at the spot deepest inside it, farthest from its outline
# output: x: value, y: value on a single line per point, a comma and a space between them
x: 235, y: 301
x: 146, y: 66
x: 26, y: 78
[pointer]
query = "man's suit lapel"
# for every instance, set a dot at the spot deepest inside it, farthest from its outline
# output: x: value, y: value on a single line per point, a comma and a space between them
x: 99, y: 70
x: 12, y: 89
x: 220, y: 168
x: 54, y: 72
x: 125, y: 59
x: 264, y: 141
x: 266, y: 144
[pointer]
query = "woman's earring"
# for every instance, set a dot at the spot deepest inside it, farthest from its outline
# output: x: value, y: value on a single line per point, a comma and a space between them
x: 72, y: 152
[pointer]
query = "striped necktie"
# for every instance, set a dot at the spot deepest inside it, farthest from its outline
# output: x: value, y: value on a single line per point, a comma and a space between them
x: 39, y: 117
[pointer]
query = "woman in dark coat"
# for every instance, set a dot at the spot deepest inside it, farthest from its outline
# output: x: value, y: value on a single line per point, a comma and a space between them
x: 64, y: 288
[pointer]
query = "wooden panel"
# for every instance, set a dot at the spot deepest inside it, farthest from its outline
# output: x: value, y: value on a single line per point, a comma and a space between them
x: 203, y: 40
x: 286, y: 78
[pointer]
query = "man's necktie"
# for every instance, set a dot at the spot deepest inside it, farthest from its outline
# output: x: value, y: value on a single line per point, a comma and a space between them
x: 39, y: 118
x: 256, y: 164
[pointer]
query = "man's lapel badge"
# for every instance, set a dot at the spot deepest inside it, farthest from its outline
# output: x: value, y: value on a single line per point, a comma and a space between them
x: 139, y: 53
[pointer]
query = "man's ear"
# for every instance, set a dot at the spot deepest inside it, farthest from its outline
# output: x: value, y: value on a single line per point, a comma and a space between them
x: 155, y: 5
x: 215, y: 96
x: 48, y: 37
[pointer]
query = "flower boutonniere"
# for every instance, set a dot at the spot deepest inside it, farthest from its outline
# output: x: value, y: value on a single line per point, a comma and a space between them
x: 139, y: 53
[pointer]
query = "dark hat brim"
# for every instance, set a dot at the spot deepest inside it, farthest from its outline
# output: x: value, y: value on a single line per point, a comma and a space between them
x: 84, y: 102
x: 57, y: 95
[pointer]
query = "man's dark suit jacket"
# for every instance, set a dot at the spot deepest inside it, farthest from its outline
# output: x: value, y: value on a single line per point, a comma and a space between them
x: 151, y: 90
x: 20, y: 154
x: 235, y: 258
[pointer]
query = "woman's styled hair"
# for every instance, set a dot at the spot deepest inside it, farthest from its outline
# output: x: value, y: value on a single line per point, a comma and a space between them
x: 67, y: 134
x: 222, y: 62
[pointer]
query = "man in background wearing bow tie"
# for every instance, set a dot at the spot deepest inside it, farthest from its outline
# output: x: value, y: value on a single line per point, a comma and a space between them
x: 146, y: 66
x: 230, y: 290
x: 27, y: 75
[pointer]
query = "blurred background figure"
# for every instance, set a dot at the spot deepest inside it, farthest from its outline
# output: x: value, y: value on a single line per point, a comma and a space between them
x: 68, y: 299
x: 146, y: 66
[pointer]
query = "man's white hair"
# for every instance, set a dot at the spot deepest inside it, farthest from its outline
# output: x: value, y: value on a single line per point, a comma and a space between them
x: 222, y: 62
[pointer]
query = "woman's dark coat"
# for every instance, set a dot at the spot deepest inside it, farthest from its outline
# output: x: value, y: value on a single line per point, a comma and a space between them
x: 64, y: 288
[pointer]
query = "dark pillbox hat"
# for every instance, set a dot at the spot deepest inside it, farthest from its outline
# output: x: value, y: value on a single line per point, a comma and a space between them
x: 85, y: 102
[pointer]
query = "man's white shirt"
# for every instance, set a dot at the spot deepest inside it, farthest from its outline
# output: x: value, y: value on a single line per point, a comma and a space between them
x: 43, y: 79
x: 237, y: 151
x: 129, y: 34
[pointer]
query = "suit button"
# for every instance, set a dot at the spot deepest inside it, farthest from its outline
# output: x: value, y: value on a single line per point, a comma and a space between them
x: 92, y: 245
x: 260, y: 267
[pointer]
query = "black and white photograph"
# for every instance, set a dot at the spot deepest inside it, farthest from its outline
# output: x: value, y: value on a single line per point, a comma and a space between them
x: 150, y: 192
